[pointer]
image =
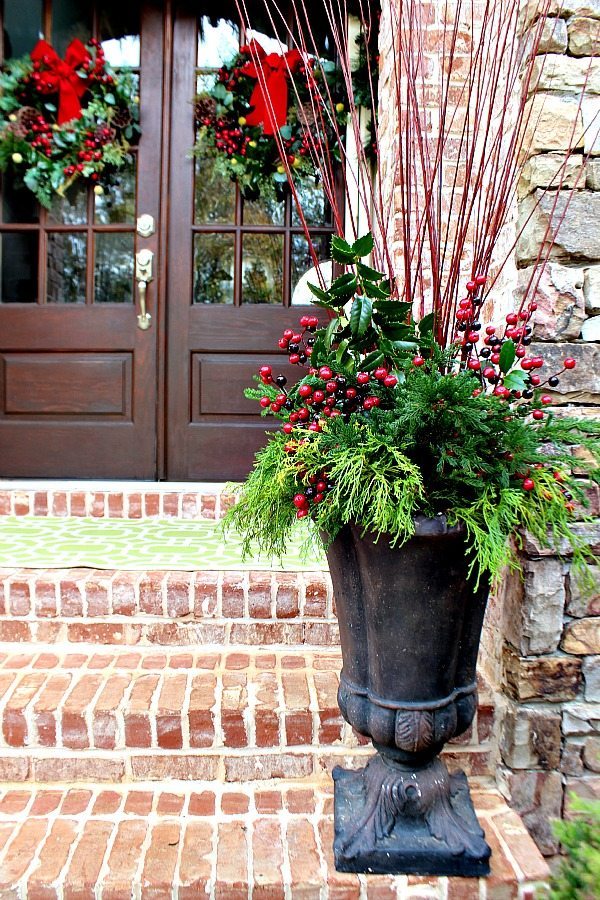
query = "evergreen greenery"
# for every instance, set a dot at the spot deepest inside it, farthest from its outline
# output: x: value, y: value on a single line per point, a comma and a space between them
x: 578, y: 877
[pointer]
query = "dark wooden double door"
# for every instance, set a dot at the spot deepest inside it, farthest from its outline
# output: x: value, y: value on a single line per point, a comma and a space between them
x: 84, y: 391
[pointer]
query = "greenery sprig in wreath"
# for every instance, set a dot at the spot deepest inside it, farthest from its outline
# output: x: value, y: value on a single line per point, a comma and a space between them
x: 237, y: 121
x: 64, y: 120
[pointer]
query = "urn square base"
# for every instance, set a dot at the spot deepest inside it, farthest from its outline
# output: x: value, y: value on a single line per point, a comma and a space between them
x: 410, y: 847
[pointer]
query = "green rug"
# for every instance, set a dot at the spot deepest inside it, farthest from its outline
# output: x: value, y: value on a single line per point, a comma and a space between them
x: 57, y: 543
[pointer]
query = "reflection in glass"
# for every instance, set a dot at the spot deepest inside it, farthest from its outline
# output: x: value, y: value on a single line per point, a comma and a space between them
x: 262, y: 268
x: 19, y: 267
x: 213, y: 268
x: 214, y: 196
x: 315, y: 206
x: 124, y: 51
x: 119, y: 30
x: 116, y: 205
x: 216, y: 43
x: 22, y: 26
x: 66, y: 264
x: 264, y: 211
x: 70, y: 19
x: 303, y: 263
x: 113, y: 268
x: 72, y: 208
x: 18, y: 203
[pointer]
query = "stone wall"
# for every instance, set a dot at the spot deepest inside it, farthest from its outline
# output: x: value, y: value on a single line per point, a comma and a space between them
x: 549, y: 666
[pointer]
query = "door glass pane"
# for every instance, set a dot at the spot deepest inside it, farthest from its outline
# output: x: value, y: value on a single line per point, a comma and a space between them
x: 213, y: 268
x: 116, y: 206
x: 302, y: 263
x: 120, y: 33
x: 72, y: 208
x: 264, y: 211
x: 19, y: 267
x: 218, y: 42
x: 262, y: 268
x: 22, y: 26
x: 66, y: 263
x: 113, y: 268
x: 214, y: 196
x: 18, y: 203
x: 70, y: 19
x: 315, y: 207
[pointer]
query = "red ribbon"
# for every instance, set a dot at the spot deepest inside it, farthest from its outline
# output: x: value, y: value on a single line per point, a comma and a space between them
x: 270, y: 95
x: 60, y: 77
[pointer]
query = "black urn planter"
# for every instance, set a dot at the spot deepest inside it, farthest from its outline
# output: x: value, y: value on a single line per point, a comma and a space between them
x: 410, y: 622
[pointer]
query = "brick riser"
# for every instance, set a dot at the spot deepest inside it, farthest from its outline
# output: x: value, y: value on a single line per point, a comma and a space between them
x: 117, y: 504
x: 268, y: 842
x: 232, y: 716
x: 172, y: 608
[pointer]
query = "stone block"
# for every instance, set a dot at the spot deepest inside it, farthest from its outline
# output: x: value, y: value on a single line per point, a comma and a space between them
x: 591, y: 278
x: 571, y: 761
x: 550, y: 678
x: 582, y: 637
x: 551, y: 170
x: 591, y: 679
x: 583, y: 36
x: 581, y: 602
x: 584, y: 379
x: 552, y: 123
x: 581, y: 718
x: 559, y: 296
x: 588, y: 788
x: 590, y: 330
x: 538, y: 798
x: 591, y: 753
x: 530, y: 738
x: 541, y: 618
x: 566, y: 74
x: 553, y: 37
x: 575, y: 217
x: 590, y: 113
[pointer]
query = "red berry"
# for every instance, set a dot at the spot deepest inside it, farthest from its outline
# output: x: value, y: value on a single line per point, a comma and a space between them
x: 265, y: 402
x: 368, y: 403
x: 331, y: 387
x: 275, y: 407
x: 318, y: 498
x: 294, y: 358
x: 288, y: 428
x: 305, y: 390
x: 490, y: 329
x: 287, y: 334
x: 321, y: 486
x: 325, y: 373
x: 495, y: 358
x: 265, y: 371
x: 300, y: 501
x: 296, y: 338
x: 474, y: 364
x: 535, y: 380
x: 528, y: 484
x: 280, y: 398
x: 512, y: 319
x: 527, y: 364
x: 318, y: 396
x: 473, y: 336
x: 282, y: 343
x: 480, y: 280
x: 314, y: 426
x: 390, y: 381
x: 303, y: 414
x: 304, y: 321
x: 362, y: 378
x: 489, y: 372
x: 380, y: 373
x: 537, y: 362
x: 302, y: 513
x: 538, y: 414
x: 546, y: 398
x: 520, y: 352
x: 570, y: 363
x: 466, y: 303
x: 313, y: 321
x: 418, y: 361
x: 533, y: 306
x: 471, y: 286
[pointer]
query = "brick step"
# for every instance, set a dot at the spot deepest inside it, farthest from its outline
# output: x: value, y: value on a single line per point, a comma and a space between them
x: 108, y: 607
x: 213, y: 714
x: 267, y: 840
x: 114, y: 500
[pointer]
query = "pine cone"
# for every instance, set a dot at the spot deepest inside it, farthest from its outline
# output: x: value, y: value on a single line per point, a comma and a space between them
x: 27, y: 117
x: 205, y: 108
x: 122, y: 118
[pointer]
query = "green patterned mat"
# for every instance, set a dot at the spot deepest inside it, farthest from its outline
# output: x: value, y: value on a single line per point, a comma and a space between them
x: 57, y: 543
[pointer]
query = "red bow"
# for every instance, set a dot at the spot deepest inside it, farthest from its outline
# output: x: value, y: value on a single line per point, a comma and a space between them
x: 270, y: 95
x: 60, y: 77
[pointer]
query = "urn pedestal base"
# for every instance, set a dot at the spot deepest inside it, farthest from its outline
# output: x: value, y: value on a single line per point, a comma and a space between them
x: 392, y: 818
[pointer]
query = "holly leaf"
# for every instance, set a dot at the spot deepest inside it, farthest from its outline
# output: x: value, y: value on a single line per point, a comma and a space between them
x: 363, y: 246
x: 507, y: 356
x: 360, y: 316
x: 286, y: 132
x: 373, y: 360
x: 368, y: 273
x: 515, y: 380
x: 329, y: 333
x: 318, y: 292
x: 393, y: 310
x: 426, y: 324
x: 341, y: 251
x: 374, y: 291
x: 343, y: 287
x: 109, y: 98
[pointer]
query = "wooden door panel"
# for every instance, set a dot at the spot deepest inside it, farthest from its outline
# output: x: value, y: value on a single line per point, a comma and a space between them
x: 67, y: 384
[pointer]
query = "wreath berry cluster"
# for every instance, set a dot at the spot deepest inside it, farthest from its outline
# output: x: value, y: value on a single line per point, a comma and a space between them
x: 63, y: 120
x: 251, y: 101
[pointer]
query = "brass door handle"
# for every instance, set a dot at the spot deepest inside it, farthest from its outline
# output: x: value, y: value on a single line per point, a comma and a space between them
x: 143, y: 275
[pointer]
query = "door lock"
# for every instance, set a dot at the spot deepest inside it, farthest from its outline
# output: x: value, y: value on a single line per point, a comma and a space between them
x: 143, y: 275
x: 145, y: 225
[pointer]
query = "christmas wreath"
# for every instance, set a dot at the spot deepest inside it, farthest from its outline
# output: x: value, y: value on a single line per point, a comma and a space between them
x: 63, y: 120
x: 237, y: 120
